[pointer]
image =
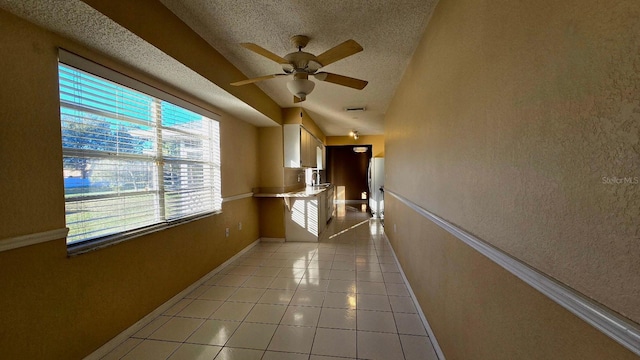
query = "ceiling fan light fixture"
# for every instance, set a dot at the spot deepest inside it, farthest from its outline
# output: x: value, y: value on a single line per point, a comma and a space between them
x: 300, y: 87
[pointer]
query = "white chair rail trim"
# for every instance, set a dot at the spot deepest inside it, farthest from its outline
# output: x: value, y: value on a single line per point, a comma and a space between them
x: 237, y: 197
x: 32, y: 239
x: 615, y: 326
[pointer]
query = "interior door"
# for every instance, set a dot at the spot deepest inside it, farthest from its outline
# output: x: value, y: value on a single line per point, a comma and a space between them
x: 348, y: 169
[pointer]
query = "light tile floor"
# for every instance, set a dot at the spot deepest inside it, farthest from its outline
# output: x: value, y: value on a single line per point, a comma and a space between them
x: 341, y: 298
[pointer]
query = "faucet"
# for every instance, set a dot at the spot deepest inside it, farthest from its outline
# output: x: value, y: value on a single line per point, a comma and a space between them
x: 316, y: 177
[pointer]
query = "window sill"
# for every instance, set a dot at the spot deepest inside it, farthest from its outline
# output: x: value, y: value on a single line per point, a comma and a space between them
x: 100, y: 243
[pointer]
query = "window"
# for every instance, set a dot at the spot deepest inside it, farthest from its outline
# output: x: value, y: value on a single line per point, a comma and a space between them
x: 132, y: 162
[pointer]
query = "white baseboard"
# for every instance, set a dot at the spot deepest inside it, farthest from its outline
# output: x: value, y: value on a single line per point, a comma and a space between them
x: 120, y: 338
x: 272, y: 240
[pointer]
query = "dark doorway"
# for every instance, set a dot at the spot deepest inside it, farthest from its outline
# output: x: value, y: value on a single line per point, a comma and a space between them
x: 347, y: 168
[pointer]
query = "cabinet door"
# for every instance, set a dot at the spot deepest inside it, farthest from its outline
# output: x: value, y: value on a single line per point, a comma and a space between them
x: 292, y: 142
x: 312, y: 151
x: 310, y: 142
x: 318, y: 161
x: 305, y: 143
x: 322, y: 211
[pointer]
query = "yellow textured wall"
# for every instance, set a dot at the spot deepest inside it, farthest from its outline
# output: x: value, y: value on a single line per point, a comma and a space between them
x: 272, y: 179
x: 505, y: 123
x: 56, y: 307
x: 293, y: 116
x: 240, y: 168
x: 29, y: 116
x: 377, y: 142
x: 272, y: 212
x: 477, y: 309
x: 271, y: 157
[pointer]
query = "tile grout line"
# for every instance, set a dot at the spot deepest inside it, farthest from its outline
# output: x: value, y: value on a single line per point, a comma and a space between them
x: 127, y: 334
x: 351, y: 246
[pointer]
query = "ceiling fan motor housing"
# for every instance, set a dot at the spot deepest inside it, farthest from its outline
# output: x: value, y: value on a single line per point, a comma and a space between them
x: 302, y: 62
x: 299, y: 41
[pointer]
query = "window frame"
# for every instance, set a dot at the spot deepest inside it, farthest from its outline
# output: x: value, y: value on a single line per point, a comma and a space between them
x: 70, y: 59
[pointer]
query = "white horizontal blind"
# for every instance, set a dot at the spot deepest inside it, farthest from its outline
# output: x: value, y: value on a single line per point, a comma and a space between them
x: 132, y: 160
x: 189, y: 151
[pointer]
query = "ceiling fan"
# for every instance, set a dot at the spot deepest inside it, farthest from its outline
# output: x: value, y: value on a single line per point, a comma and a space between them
x: 301, y: 64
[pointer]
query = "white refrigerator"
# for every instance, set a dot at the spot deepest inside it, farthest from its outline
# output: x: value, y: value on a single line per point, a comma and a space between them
x: 376, y: 184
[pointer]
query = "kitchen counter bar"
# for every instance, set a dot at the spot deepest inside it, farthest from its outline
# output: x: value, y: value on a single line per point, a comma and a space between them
x: 306, y: 211
x: 307, y: 192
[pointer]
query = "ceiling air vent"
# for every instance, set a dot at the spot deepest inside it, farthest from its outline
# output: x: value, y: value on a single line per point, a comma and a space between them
x: 349, y: 109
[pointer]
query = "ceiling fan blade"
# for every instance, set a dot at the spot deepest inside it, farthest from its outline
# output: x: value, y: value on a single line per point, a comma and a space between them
x: 264, y: 52
x: 339, y: 52
x: 253, y: 80
x: 297, y: 99
x: 341, y: 80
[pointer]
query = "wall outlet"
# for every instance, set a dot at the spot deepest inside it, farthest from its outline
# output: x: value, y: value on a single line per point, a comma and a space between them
x: 226, y: 232
x: 395, y: 229
x: 240, y: 225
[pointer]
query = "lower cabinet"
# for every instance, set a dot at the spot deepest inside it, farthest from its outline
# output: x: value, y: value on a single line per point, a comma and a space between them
x: 306, y: 217
x: 330, y: 203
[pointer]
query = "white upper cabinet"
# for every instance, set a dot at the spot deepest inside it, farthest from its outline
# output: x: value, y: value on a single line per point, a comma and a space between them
x: 292, y: 144
x: 320, y: 156
x: 301, y: 148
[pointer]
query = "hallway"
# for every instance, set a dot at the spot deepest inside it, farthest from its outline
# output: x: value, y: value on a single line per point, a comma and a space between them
x: 342, y: 298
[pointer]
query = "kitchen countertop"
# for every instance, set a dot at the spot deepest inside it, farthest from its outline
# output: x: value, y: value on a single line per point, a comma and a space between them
x: 307, y: 192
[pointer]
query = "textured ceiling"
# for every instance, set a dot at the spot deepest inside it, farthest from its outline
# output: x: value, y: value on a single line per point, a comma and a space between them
x: 78, y: 21
x: 387, y: 30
